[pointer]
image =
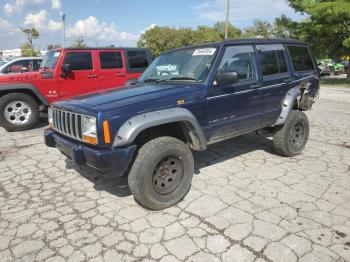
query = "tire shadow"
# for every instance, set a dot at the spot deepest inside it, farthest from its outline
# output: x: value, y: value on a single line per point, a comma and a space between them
x: 215, y: 154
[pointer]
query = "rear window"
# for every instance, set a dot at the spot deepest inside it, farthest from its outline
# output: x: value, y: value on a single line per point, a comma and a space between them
x: 110, y: 60
x: 137, y: 59
x: 79, y: 60
x: 301, y: 58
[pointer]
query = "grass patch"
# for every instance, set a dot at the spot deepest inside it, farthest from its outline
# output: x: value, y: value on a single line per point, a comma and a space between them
x: 341, y: 82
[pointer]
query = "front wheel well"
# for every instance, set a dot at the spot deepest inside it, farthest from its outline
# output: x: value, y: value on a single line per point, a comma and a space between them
x: 182, y: 130
x: 23, y: 91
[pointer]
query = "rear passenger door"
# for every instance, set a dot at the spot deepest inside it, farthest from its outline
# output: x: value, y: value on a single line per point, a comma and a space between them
x: 235, y: 108
x: 112, y: 69
x: 276, y: 80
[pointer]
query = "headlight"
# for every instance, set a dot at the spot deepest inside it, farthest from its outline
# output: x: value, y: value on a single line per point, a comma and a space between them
x: 88, y: 129
x: 50, y: 117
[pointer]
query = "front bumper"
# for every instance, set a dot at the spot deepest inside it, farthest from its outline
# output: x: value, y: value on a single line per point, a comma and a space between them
x: 105, y: 160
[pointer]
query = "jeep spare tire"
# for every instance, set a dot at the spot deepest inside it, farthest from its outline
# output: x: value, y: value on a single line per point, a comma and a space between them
x: 162, y: 172
x: 18, y: 112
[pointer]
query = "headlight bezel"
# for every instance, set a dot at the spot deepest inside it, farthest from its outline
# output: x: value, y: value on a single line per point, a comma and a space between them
x: 50, y: 116
x: 89, y: 129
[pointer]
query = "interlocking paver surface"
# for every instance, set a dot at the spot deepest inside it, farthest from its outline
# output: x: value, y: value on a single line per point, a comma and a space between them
x: 245, y: 204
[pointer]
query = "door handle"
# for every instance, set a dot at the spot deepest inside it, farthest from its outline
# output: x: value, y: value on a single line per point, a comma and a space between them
x: 92, y: 76
x: 120, y: 74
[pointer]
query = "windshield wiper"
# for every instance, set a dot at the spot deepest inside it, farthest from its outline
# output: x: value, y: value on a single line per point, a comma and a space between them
x: 152, y: 80
x: 182, y: 78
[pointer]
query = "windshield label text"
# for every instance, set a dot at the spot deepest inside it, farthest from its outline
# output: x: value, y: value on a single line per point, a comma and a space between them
x: 204, y: 51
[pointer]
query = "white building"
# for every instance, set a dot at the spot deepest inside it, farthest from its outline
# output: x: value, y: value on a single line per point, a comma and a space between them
x: 11, y: 53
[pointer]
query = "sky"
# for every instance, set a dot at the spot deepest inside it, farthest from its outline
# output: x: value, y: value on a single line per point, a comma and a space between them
x: 121, y: 22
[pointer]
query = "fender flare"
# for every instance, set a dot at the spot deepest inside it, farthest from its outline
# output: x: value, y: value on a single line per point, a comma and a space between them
x: 128, y: 132
x: 287, y: 104
x: 24, y: 86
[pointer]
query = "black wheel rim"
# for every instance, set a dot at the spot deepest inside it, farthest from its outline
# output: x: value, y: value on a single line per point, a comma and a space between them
x: 296, y: 136
x: 167, y: 175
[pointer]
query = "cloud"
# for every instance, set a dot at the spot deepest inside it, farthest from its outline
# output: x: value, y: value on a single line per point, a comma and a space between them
x: 248, y: 10
x: 92, y: 29
x: 6, y: 28
x: 18, y: 5
x: 56, y: 4
x: 41, y: 22
x: 148, y: 28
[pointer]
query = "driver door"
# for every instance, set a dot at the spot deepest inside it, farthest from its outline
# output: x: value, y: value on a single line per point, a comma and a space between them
x: 82, y: 78
x: 235, y: 108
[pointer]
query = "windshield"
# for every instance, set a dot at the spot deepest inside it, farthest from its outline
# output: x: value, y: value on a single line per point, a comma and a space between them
x: 183, y: 65
x: 50, y: 59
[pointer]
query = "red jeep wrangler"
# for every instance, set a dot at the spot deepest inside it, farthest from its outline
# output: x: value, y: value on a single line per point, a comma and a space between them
x: 65, y: 73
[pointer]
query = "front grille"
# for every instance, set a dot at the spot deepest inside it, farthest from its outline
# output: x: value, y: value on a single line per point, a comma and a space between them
x: 67, y: 123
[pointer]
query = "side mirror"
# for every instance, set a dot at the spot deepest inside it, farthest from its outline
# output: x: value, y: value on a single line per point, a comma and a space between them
x: 227, y: 78
x: 66, y: 68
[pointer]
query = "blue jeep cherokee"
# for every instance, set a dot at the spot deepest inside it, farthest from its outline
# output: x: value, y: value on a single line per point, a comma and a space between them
x: 187, y: 99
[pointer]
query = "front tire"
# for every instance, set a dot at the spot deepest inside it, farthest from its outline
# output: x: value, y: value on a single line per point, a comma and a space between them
x: 162, y: 172
x: 290, y: 139
x: 18, y: 112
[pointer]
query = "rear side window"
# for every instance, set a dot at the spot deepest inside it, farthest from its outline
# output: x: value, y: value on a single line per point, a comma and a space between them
x: 17, y: 67
x: 301, y: 58
x: 137, y: 59
x: 273, y: 62
x: 111, y: 60
x: 79, y: 60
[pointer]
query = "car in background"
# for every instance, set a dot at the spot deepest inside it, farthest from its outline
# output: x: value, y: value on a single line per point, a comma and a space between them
x: 21, y: 65
x: 66, y: 73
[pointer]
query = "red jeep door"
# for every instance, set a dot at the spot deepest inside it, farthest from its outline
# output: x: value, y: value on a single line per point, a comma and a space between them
x: 83, y: 76
x: 112, y: 69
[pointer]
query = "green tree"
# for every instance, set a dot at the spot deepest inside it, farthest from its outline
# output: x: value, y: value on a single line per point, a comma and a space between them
x: 160, y: 39
x: 260, y: 28
x: 53, y: 46
x: 206, y: 34
x: 327, y: 28
x: 28, y: 50
x: 31, y: 34
x: 284, y: 27
x: 79, y: 43
x: 233, y: 32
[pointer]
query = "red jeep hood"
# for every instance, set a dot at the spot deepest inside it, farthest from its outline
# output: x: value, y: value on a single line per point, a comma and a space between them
x: 20, y: 77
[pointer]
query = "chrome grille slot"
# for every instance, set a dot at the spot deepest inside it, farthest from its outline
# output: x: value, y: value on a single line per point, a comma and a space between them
x: 67, y: 123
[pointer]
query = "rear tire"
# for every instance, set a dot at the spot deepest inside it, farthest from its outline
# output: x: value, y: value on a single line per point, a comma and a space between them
x: 291, y: 138
x: 18, y: 112
x: 162, y: 172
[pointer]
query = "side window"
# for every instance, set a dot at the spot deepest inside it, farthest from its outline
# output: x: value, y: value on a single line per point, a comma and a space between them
x: 301, y: 58
x: 272, y: 60
x: 110, y: 60
x: 17, y: 67
x: 238, y: 59
x: 79, y: 60
x: 137, y: 59
x: 36, y: 64
x: 269, y: 63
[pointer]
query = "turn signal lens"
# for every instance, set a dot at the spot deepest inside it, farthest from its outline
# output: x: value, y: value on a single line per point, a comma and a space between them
x: 107, y: 135
x: 90, y: 140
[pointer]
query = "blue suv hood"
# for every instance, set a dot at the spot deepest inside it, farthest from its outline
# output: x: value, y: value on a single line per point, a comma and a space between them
x: 151, y: 93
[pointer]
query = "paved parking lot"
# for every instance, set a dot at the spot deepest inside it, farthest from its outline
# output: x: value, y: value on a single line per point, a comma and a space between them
x: 246, y: 203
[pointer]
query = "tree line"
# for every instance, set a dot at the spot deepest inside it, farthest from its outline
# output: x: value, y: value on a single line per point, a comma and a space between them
x: 326, y: 29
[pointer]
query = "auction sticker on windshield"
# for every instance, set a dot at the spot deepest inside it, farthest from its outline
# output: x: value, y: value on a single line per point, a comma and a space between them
x: 204, y: 51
